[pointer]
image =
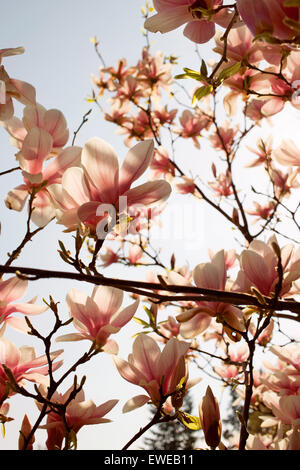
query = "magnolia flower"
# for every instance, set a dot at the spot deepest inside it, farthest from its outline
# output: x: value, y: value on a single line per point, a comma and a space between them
x: 268, y: 16
x: 287, y: 153
x: 171, y: 14
x: 100, y: 183
x: 160, y: 373
x: 11, y: 88
x: 79, y: 412
x: 11, y: 290
x: 194, y: 321
x: 44, y: 209
x: 23, y: 364
x: 259, y: 268
x: 98, y: 316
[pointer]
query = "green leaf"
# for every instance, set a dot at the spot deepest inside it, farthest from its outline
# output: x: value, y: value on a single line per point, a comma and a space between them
x: 189, y: 421
x: 140, y: 321
x: 292, y: 3
x: 230, y: 71
x: 201, y: 93
x: 203, y: 69
x: 292, y: 24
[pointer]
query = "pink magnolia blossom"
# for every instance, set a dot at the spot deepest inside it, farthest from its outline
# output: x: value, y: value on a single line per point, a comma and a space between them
x: 191, y: 126
x: 262, y: 212
x: 161, y: 164
x: 158, y: 372
x: 263, y: 152
x: 11, y: 290
x: 100, y: 181
x: 171, y: 14
x: 13, y: 89
x: 24, y: 365
x: 194, y: 321
x: 287, y: 153
x: 109, y: 257
x: 99, y: 316
x: 79, y: 413
x: 52, y: 173
x: 267, y: 16
x: 153, y: 72
x: 259, y: 268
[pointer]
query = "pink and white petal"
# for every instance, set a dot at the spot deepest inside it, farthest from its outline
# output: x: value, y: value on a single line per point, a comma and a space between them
x: 70, y: 337
x: 148, y: 193
x: 173, y: 351
x: 146, y: 354
x: 168, y: 20
x: 256, y: 270
x: 199, y: 32
x: 126, y: 370
x: 87, y: 213
x: 111, y: 347
x: 26, y: 92
x: 44, y: 210
x: 195, y: 326
x: 12, y: 289
x: 33, y: 116
x: 69, y: 157
x: 9, y: 353
x: 272, y: 106
x: 36, y: 147
x: 11, y: 51
x: 108, y: 299
x: 76, y: 301
x: 16, y: 129
x: 206, y: 276
x: 30, y: 308
x: 74, y: 185
x: 103, y: 409
x: 122, y: 317
x: 56, y: 124
x: 18, y: 324
x: 135, y: 164
x: 16, y: 198
x: 135, y: 402
x: 7, y: 109
x: 101, y: 165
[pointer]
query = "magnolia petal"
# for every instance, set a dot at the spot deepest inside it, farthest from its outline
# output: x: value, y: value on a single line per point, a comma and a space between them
x: 148, y: 193
x: 135, y: 164
x: 69, y: 157
x: 36, y: 147
x: 44, y: 210
x: 6, y: 109
x: 122, y: 317
x: 18, y: 324
x: 126, y: 370
x: 26, y: 92
x: 108, y: 299
x: 135, y: 402
x: 168, y: 20
x: 56, y: 124
x: 101, y: 165
x: 146, y: 353
x: 199, y: 31
x: 16, y: 198
x: 12, y: 289
x: 195, y: 326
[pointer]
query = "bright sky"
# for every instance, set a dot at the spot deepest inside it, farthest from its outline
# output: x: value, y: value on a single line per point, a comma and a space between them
x: 58, y: 61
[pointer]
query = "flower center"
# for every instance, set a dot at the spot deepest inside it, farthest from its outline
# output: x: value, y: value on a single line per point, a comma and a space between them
x: 198, y: 4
